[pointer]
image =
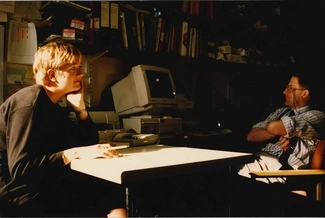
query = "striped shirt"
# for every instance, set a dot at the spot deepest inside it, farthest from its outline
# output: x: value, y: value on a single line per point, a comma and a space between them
x: 306, y: 124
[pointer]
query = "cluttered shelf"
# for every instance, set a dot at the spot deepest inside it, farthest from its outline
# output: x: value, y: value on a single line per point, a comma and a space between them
x: 186, y: 32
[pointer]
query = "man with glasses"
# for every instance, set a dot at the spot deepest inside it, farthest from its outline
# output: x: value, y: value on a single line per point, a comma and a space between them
x: 290, y: 135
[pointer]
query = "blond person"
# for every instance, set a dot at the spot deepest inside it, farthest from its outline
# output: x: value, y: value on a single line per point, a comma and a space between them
x: 38, y: 141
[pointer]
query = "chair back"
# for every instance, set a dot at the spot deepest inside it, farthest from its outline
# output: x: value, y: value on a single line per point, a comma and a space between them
x: 318, y: 160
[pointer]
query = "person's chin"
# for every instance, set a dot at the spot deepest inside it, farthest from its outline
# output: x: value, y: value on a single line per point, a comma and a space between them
x: 77, y: 86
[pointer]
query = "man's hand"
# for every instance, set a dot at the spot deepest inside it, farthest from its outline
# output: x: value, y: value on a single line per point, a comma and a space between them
x: 76, y: 99
x: 284, y: 143
x: 90, y: 152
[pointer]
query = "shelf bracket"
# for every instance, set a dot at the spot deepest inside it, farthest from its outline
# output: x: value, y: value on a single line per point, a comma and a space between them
x: 98, y: 55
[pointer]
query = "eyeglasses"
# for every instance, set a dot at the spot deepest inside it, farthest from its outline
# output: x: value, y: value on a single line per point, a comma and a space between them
x: 290, y: 89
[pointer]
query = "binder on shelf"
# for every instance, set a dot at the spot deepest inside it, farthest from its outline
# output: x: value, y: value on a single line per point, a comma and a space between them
x: 114, y: 13
x: 123, y: 29
x: 151, y: 24
x: 131, y: 28
x: 97, y: 23
x: 91, y: 27
x: 104, y: 23
x: 104, y: 14
x: 115, y: 34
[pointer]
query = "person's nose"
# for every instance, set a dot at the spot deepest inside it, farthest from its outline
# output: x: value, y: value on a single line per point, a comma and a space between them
x: 80, y: 73
x: 285, y: 91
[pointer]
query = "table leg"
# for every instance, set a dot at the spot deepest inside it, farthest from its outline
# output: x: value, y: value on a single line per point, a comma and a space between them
x: 128, y: 203
x: 229, y: 191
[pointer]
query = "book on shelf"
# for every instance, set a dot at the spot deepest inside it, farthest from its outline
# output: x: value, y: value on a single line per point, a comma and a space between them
x: 143, y: 31
x: 185, y: 6
x: 138, y: 29
x: 171, y: 38
x: 211, y: 49
x: 130, y: 27
x: 194, y: 44
x: 160, y: 21
x: 176, y: 38
x: 135, y: 30
x: 168, y: 38
x: 162, y: 34
x: 198, y: 43
x: 190, y: 37
x: 184, y: 39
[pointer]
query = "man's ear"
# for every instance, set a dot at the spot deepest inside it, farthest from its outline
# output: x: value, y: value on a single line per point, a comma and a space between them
x: 51, y: 75
x: 306, y: 93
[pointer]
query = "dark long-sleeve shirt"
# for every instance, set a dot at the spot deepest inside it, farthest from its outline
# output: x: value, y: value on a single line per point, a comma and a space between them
x: 33, y: 133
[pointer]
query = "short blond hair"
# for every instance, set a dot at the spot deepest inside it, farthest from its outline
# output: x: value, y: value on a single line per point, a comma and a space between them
x: 52, y: 56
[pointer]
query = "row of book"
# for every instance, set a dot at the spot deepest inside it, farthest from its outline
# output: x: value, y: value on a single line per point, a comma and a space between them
x: 115, y: 25
x: 138, y: 30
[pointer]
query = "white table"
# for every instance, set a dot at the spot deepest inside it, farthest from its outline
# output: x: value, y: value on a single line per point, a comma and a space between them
x: 156, y: 161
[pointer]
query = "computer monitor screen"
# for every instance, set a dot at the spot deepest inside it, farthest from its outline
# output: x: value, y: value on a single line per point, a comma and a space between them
x: 144, y: 88
x: 159, y: 84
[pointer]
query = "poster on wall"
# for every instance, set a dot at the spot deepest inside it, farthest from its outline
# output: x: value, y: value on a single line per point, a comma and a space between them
x: 22, y: 42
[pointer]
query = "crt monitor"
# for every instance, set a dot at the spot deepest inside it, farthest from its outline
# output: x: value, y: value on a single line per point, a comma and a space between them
x: 146, y: 87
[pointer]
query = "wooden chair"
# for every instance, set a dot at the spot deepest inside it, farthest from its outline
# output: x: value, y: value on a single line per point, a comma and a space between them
x: 316, y: 171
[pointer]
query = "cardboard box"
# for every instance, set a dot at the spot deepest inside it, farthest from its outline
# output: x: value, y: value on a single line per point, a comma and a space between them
x: 78, y: 24
x: 69, y: 33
